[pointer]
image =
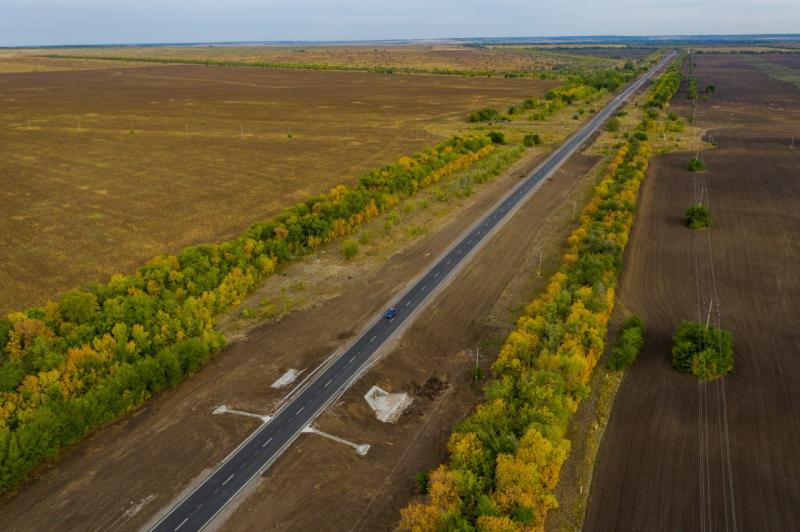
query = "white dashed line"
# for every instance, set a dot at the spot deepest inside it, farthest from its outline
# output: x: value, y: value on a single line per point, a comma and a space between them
x: 435, y: 275
x: 327, y: 383
x: 227, y: 480
x: 266, y: 443
x: 351, y: 360
x: 301, y: 409
x: 182, y: 523
x: 408, y: 302
x: 373, y: 338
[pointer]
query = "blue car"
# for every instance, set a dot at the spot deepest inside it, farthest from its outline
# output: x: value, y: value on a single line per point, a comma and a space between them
x: 390, y: 313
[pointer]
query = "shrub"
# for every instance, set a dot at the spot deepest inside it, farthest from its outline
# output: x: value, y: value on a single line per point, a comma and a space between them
x: 698, y: 217
x: 613, y: 125
x: 704, y: 351
x: 421, y: 481
x: 628, y: 345
x: 710, y: 88
x: 349, y: 248
x: 497, y: 137
x: 531, y: 139
x: 692, y: 92
x: 486, y: 114
x: 696, y: 164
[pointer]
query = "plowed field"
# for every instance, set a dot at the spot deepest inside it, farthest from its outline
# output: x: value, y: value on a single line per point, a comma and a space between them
x: 678, y: 455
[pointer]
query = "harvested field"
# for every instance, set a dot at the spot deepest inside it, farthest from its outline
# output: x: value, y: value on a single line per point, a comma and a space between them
x: 133, y: 468
x: 668, y: 461
x: 24, y: 61
x: 103, y: 169
x: 444, y: 57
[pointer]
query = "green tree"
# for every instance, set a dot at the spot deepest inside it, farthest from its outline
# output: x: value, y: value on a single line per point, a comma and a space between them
x: 531, y: 139
x: 704, y: 351
x: 78, y: 306
x: 698, y: 217
x: 349, y: 248
x: 613, y: 125
x: 696, y: 164
x: 629, y: 343
x: 497, y: 137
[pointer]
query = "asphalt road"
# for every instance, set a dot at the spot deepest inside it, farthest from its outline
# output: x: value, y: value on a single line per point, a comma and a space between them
x: 263, y: 447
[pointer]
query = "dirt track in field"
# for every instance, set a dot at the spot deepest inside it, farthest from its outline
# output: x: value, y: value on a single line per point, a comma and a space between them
x: 135, y: 467
x: 664, y: 463
x: 104, y: 169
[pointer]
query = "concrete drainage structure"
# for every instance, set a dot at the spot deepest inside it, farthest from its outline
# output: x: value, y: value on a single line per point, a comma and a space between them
x: 387, y: 406
x: 287, y: 378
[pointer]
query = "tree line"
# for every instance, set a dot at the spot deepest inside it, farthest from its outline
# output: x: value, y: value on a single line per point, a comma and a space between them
x: 505, y: 458
x: 97, y: 352
x: 285, y: 65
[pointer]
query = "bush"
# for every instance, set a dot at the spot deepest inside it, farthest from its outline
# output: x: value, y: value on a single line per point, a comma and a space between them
x: 613, y: 125
x: 698, y: 217
x: 497, y: 137
x: 349, y: 248
x: 710, y: 88
x: 704, y: 351
x: 531, y: 139
x: 486, y: 114
x: 696, y: 164
x: 628, y: 345
x: 421, y: 481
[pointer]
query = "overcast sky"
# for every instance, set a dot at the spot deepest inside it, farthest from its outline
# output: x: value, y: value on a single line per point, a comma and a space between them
x: 43, y: 22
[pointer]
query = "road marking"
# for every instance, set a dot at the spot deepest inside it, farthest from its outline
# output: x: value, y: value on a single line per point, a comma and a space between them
x: 327, y: 383
x: 459, y: 251
x: 448, y: 262
x: 373, y: 338
x: 435, y: 275
x: 227, y: 480
x: 182, y: 523
x: 408, y: 302
x: 301, y: 409
x: 266, y: 442
x: 391, y: 320
x: 351, y: 360
x: 422, y: 289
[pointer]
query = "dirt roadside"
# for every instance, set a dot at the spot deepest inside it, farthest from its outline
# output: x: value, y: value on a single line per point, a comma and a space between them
x: 132, y: 469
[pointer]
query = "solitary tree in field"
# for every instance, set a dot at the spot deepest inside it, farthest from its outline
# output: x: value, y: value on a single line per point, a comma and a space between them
x: 702, y: 350
x: 698, y: 217
x: 696, y: 164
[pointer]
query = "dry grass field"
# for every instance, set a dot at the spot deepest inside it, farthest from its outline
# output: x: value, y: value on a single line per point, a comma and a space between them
x: 446, y: 57
x: 678, y: 455
x: 26, y: 61
x: 104, y: 168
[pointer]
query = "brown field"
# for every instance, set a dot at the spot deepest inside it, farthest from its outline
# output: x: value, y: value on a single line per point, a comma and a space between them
x: 451, y: 57
x: 667, y: 461
x: 133, y: 468
x: 103, y: 169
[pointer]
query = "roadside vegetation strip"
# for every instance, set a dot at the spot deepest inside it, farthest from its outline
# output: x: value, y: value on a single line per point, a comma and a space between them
x: 505, y: 459
x: 98, y: 352
x: 587, y: 87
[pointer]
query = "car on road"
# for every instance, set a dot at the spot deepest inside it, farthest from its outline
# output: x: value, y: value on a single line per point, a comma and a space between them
x: 390, y: 313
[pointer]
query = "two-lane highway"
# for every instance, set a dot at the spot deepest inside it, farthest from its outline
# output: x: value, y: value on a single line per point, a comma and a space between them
x: 266, y: 444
